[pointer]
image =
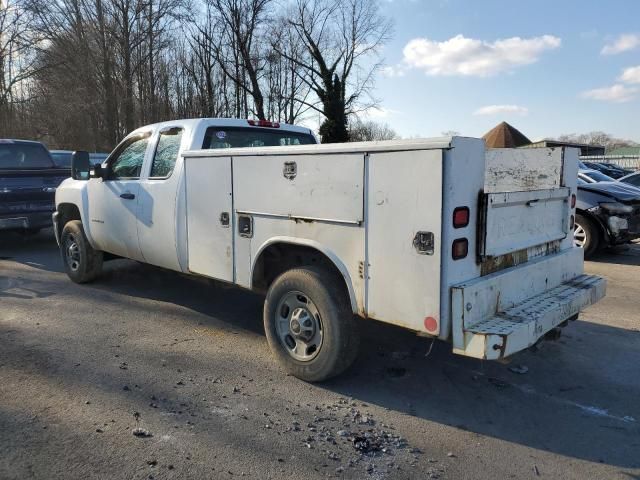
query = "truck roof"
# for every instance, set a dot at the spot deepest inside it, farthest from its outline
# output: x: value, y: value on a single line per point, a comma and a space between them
x: 351, y: 147
x: 222, y: 122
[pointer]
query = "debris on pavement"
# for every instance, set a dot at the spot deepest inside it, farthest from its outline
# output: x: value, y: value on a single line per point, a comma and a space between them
x: 519, y: 369
x: 496, y: 382
x: 141, y: 432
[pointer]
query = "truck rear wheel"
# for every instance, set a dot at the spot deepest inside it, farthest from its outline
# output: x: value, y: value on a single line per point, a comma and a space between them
x: 309, y: 324
x: 81, y: 262
x: 586, y: 235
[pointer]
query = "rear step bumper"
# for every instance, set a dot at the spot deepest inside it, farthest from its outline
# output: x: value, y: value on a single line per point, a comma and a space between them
x: 513, y: 326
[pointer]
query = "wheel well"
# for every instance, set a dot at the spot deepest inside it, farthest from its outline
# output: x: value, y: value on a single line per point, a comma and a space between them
x: 66, y: 213
x: 596, y: 221
x: 277, y: 258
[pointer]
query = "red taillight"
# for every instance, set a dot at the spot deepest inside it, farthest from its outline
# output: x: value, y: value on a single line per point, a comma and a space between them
x: 460, y: 248
x: 573, y: 201
x: 263, y: 123
x: 460, y: 217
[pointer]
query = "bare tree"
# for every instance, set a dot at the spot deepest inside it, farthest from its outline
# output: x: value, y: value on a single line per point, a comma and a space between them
x: 17, y: 60
x: 360, y: 131
x: 82, y: 73
x: 238, y: 45
x: 597, y: 138
x: 338, y: 36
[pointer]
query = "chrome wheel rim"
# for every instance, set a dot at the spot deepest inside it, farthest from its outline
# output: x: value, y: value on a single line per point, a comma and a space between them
x: 72, y: 252
x: 579, y: 236
x: 299, y: 326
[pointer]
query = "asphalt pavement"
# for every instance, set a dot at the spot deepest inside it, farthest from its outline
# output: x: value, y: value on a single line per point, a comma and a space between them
x: 183, y: 363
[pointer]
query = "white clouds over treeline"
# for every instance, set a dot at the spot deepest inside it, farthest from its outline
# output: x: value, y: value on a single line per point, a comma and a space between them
x: 464, y: 56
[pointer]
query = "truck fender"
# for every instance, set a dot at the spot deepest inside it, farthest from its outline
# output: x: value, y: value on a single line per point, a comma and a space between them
x: 75, y: 193
x: 320, y: 248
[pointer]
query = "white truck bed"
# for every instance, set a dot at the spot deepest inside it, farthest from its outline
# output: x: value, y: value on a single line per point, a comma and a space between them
x: 363, y: 205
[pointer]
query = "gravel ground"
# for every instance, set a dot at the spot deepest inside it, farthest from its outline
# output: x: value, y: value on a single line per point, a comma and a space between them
x: 150, y: 374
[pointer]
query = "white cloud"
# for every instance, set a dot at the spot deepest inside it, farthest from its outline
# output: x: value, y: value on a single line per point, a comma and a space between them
x: 470, y: 57
x: 378, y: 113
x: 631, y: 75
x: 624, y: 43
x: 502, y: 110
x: 392, y: 71
x: 615, y: 93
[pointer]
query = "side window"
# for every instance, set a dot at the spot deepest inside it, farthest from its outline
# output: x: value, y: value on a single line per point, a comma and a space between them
x: 164, y: 159
x: 634, y: 180
x: 128, y: 162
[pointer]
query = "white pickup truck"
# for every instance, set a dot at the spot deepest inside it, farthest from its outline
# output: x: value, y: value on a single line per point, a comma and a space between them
x: 439, y: 236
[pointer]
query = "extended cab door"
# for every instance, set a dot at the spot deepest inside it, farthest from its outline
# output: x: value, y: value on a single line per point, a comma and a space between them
x: 113, y: 201
x: 209, y: 216
x: 157, y: 199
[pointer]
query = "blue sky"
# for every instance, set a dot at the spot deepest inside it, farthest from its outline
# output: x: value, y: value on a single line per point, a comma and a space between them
x: 547, y: 67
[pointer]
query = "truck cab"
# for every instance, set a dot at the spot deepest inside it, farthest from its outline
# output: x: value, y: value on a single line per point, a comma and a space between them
x: 133, y: 209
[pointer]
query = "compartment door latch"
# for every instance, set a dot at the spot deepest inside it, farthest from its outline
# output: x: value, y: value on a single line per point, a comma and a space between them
x: 423, y: 243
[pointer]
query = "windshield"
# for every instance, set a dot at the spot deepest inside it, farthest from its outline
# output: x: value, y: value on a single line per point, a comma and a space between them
x: 21, y: 156
x: 598, y: 176
x: 237, y: 137
x: 62, y: 159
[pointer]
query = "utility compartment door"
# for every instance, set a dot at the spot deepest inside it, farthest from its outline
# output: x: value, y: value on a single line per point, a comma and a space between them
x: 209, y: 218
x: 319, y: 187
x: 404, y: 200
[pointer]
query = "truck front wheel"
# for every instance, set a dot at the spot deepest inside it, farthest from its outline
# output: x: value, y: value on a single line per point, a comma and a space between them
x: 309, y: 324
x: 81, y: 262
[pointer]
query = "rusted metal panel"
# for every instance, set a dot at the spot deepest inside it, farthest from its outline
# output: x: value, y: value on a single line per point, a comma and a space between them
x: 517, y: 170
x: 495, y: 264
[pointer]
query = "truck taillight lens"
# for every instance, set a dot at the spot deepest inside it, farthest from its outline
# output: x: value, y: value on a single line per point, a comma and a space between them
x: 460, y: 217
x: 460, y: 248
x: 573, y: 201
x: 263, y: 123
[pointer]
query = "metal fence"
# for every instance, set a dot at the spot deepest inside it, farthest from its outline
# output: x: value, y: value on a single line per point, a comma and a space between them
x: 624, y: 161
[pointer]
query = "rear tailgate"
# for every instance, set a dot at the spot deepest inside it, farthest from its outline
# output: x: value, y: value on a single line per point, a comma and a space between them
x: 531, y: 277
x: 26, y: 192
x: 518, y: 220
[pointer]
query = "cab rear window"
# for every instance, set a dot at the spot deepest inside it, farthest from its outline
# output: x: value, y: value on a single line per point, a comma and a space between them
x: 239, y: 137
x: 24, y: 156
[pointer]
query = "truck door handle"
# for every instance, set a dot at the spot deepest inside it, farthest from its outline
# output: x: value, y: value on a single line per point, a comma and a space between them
x: 224, y: 219
x: 127, y: 196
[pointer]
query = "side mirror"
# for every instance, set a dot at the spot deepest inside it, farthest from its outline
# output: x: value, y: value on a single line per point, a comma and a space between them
x: 80, y: 165
x: 99, y: 172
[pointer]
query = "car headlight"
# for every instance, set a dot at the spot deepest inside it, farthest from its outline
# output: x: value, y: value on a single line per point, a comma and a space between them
x: 615, y: 207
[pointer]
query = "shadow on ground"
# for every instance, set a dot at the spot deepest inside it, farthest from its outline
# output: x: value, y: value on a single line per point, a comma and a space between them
x: 578, y: 398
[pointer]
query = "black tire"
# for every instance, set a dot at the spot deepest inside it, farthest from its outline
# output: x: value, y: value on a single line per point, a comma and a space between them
x: 325, y: 293
x: 592, y: 237
x: 81, y: 262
